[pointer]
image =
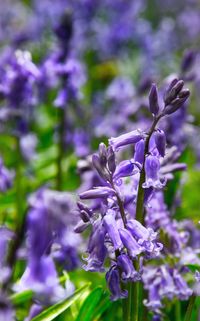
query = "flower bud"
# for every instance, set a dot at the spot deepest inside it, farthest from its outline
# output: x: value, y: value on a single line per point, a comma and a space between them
x: 98, y: 166
x: 160, y: 141
x: 173, y: 90
x: 103, y: 154
x: 111, y: 160
x: 188, y: 60
x: 153, y: 100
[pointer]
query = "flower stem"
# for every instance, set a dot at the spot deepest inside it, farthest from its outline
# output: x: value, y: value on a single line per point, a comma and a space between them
x: 140, y: 217
x: 61, y: 138
x: 190, y: 308
x: 140, y: 196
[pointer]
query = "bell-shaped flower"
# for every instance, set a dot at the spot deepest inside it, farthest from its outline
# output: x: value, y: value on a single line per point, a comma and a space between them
x: 97, y: 192
x: 96, y: 249
x: 113, y: 282
x: 125, y: 168
x: 152, y: 167
x: 146, y: 237
x: 126, y: 139
x: 130, y: 243
x: 154, y: 300
x: 139, y: 152
x: 112, y: 229
x: 127, y: 269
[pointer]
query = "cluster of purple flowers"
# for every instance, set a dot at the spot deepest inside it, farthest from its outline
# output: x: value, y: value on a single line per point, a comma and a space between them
x: 120, y: 242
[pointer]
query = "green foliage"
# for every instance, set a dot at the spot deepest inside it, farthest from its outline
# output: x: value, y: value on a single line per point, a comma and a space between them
x: 55, y: 310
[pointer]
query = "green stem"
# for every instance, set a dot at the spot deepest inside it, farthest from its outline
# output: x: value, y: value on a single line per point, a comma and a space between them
x: 190, y: 308
x: 18, y: 184
x: 61, y: 133
x: 140, y: 217
x: 178, y: 310
x: 20, y: 216
x: 140, y: 196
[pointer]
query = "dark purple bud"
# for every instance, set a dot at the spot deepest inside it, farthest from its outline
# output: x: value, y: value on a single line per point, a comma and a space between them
x: 185, y: 93
x: 111, y: 160
x: 124, y: 169
x: 153, y: 100
x: 98, y: 166
x: 103, y: 154
x: 83, y: 207
x: 126, y: 139
x: 188, y: 60
x: 84, y: 216
x: 113, y: 281
x: 168, y: 96
x: 98, y: 192
x: 64, y: 29
x: 160, y: 141
x: 130, y: 243
x: 80, y: 227
x: 139, y: 152
x: 177, y: 103
x: 111, y: 228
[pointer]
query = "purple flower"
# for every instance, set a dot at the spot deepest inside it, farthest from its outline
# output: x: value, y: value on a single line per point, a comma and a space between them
x: 145, y: 237
x: 182, y: 290
x: 125, y: 168
x: 126, y: 139
x: 113, y: 281
x: 139, y: 152
x: 160, y: 141
x: 41, y: 277
x: 34, y: 310
x: 111, y: 228
x: 152, y: 167
x: 96, y: 249
x: 130, y: 243
x: 98, y: 192
x: 154, y: 301
x: 126, y: 267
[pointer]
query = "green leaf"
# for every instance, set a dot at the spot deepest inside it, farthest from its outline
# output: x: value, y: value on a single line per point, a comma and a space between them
x: 55, y: 310
x: 21, y: 297
x: 102, y: 306
x: 87, y: 309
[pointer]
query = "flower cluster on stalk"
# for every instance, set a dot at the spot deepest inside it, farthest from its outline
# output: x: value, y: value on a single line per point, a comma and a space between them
x: 120, y: 243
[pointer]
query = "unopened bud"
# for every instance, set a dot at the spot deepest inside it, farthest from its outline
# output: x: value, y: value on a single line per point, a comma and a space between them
x: 153, y: 100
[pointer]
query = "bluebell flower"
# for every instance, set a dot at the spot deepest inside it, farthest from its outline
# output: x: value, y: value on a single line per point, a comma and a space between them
x: 152, y: 167
x: 128, y: 272
x: 130, y: 243
x: 126, y: 139
x: 113, y: 282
